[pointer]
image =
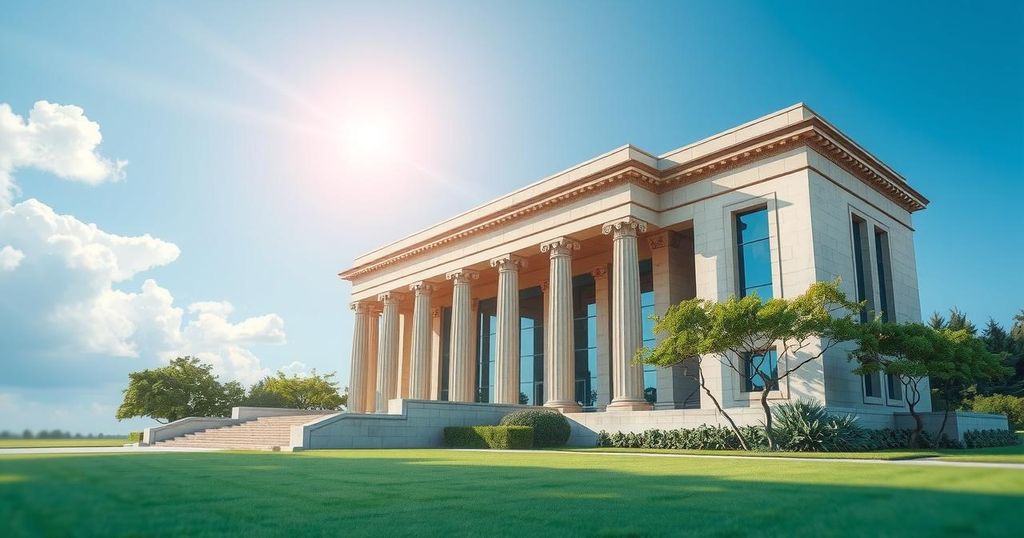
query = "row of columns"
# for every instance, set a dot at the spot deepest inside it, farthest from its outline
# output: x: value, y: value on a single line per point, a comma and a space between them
x: 374, y: 377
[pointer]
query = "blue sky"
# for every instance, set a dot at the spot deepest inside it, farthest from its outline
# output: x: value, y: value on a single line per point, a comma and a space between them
x: 242, y: 125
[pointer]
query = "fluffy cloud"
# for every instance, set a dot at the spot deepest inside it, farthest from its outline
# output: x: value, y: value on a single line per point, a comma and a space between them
x: 10, y: 258
x: 55, y: 138
x: 71, y: 299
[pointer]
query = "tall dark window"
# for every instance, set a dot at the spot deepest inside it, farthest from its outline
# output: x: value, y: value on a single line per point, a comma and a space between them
x: 860, y: 251
x: 754, y: 253
x: 585, y: 339
x: 757, y: 367
x: 531, y: 346
x: 487, y: 322
x: 646, y: 311
x: 872, y: 387
x: 885, y: 302
x: 895, y: 387
x: 446, y: 351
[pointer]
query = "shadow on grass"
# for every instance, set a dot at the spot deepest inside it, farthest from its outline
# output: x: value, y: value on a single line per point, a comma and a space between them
x: 440, y: 493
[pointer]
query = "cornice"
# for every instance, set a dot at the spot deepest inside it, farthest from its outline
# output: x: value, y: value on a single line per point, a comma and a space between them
x: 813, y: 133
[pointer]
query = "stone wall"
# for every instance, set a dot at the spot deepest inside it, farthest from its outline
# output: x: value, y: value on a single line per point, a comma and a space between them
x: 408, y: 424
x: 957, y: 423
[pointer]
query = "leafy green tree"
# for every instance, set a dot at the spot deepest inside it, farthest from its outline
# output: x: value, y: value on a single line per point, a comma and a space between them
x: 801, y: 330
x: 313, y: 391
x: 913, y: 352
x: 184, y: 388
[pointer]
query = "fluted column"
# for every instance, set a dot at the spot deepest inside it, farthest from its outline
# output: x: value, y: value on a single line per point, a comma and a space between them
x: 462, y: 366
x: 387, y: 352
x: 357, y: 378
x: 419, y: 355
x: 372, y: 347
x: 627, y: 324
x: 506, y: 358
x: 558, y: 343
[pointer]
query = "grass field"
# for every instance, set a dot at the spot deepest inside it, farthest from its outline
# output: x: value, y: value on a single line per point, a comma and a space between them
x: 449, y: 493
x: 47, y: 443
x: 1003, y: 454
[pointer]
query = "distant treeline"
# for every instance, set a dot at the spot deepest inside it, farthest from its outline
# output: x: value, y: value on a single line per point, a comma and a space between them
x: 56, y: 434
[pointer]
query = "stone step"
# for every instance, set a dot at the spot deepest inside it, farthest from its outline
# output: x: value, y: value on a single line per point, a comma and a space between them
x: 263, y: 433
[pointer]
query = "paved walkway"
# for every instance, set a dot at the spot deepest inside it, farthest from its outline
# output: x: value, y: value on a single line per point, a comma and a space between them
x: 919, y: 461
x: 101, y: 450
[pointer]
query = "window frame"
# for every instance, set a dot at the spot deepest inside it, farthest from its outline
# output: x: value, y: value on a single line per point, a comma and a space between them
x: 746, y: 363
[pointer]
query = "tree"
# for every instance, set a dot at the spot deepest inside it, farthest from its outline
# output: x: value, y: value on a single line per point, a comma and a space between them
x: 313, y: 391
x: 913, y: 352
x: 184, y: 388
x: 738, y: 332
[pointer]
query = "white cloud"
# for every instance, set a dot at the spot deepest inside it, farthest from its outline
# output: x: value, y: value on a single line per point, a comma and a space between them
x: 69, y: 299
x: 10, y: 258
x: 55, y: 138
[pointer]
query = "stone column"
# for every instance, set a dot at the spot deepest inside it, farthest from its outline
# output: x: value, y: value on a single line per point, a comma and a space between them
x: 672, y: 261
x: 357, y: 378
x: 373, y: 345
x: 461, y: 364
x: 558, y: 330
x: 387, y: 352
x: 435, y: 353
x: 419, y: 354
x: 627, y: 325
x: 506, y: 357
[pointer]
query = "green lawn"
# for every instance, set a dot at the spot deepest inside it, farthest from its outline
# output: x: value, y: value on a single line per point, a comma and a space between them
x: 448, y: 493
x: 49, y: 443
x: 1003, y: 454
x: 887, y: 455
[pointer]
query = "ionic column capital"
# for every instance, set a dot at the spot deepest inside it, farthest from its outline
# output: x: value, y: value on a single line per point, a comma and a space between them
x: 508, y: 262
x: 421, y: 288
x: 562, y: 246
x: 599, y: 272
x: 390, y: 297
x: 462, y: 276
x: 624, y: 227
x: 360, y: 307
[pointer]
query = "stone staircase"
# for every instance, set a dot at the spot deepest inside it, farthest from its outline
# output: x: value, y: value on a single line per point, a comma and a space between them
x: 263, y: 433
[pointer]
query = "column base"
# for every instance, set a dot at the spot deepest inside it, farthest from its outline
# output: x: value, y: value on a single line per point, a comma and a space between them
x: 629, y: 405
x: 565, y: 406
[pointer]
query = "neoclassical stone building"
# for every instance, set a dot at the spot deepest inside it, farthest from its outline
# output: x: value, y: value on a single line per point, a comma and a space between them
x: 542, y: 296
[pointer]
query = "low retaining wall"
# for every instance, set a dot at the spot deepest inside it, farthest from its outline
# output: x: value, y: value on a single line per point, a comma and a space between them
x: 409, y: 424
x: 183, y: 426
x: 586, y: 426
x: 249, y: 413
x: 957, y: 423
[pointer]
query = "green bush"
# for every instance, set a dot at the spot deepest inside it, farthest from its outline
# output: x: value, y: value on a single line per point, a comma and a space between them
x: 700, y: 438
x: 807, y: 426
x: 135, y: 437
x: 507, y: 437
x: 1002, y: 404
x: 990, y: 438
x: 550, y: 428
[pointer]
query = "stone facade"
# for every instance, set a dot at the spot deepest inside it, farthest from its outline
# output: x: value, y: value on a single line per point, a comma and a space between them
x: 597, y: 224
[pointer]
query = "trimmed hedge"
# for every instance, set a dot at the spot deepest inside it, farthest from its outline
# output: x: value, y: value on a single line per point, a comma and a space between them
x: 722, y: 438
x: 550, y: 428
x: 989, y: 438
x: 508, y: 437
x: 1002, y: 404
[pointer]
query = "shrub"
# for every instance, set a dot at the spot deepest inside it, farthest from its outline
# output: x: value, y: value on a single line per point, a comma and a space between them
x: 807, y: 426
x: 550, y: 428
x: 700, y: 438
x: 135, y: 437
x: 989, y: 438
x: 507, y: 437
x: 889, y: 438
x: 1002, y: 404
